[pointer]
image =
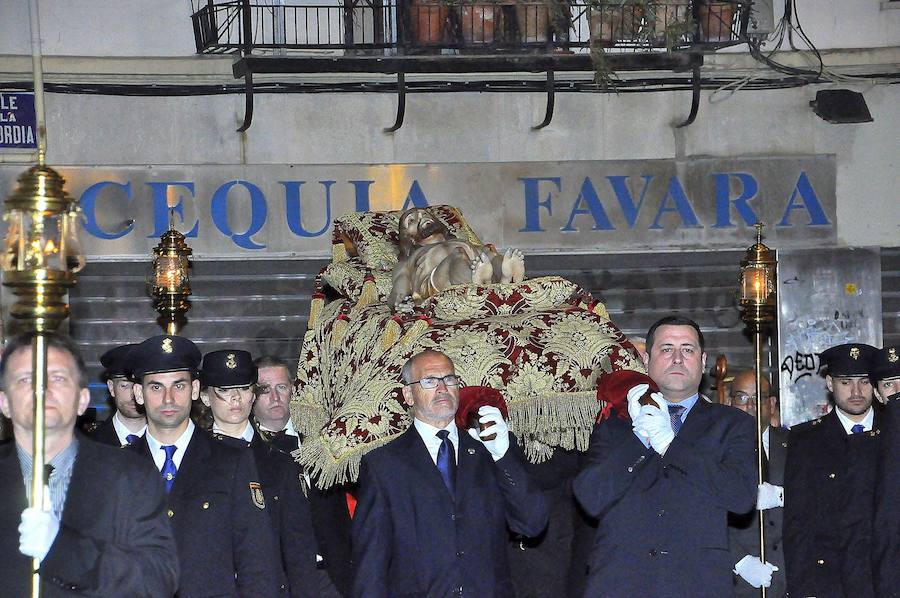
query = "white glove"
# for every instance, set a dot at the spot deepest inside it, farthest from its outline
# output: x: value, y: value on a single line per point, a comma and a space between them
x: 755, y: 572
x: 654, y: 425
x: 499, y: 445
x: 769, y: 496
x: 37, y: 531
x: 636, y: 392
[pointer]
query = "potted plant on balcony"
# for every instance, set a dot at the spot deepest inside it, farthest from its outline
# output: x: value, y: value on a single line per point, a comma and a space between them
x: 716, y: 20
x: 428, y: 21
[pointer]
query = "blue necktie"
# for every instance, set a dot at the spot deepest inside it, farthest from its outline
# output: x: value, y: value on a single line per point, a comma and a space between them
x: 857, y: 429
x: 169, y: 470
x: 675, y: 412
x: 131, y: 438
x: 446, y: 461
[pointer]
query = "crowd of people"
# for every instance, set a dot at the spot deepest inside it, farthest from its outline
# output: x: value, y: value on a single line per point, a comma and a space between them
x: 190, y: 488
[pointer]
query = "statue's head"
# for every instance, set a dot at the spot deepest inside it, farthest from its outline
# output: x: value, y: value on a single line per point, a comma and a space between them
x: 419, y: 227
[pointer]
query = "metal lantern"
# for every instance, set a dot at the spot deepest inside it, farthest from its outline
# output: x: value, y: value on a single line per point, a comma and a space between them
x: 41, y: 253
x: 170, y: 279
x: 758, y: 309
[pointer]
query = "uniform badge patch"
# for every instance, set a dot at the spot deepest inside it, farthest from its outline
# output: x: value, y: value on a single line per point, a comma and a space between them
x: 166, y: 345
x: 892, y: 355
x: 854, y: 352
x: 256, y: 495
x: 230, y: 362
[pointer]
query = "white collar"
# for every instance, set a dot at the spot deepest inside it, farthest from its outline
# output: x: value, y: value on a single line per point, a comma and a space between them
x: 159, y: 456
x: 247, y: 434
x: 429, y: 436
x: 288, y: 429
x: 122, y: 432
x: 848, y: 424
x: 765, y: 440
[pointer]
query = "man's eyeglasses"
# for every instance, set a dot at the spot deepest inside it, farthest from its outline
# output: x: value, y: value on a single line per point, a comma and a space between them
x: 430, y: 382
x: 740, y: 398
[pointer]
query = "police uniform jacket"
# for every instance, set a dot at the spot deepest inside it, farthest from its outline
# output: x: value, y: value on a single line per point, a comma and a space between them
x: 743, y: 530
x: 288, y: 514
x: 330, y: 519
x: 105, y: 433
x: 114, y: 537
x: 221, y: 527
x: 828, y: 509
x: 886, y: 553
x: 662, y: 528
x: 413, y: 539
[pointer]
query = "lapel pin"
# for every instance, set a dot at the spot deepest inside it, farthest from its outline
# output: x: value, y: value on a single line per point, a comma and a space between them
x: 471, y: 451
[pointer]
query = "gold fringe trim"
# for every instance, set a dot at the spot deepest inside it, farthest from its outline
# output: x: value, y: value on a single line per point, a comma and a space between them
x: 390, y: 335
x: 368, y: 295
x: 415, y: 331
x: 600, y: 310
x: 338, y: 332
x: 315, y: 310
x: 338, y: 252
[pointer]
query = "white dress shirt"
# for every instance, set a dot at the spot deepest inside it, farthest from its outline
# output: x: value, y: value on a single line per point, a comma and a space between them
x: 246, y: 435
x: 848, y: 423
x: 433, y: 443
x: 122, y: 432
x: 159, y: 455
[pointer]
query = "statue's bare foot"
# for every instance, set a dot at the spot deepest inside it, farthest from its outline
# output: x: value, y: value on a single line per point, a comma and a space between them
x: 513, y: 266
x: 407, y: 306
x: 482, y: 270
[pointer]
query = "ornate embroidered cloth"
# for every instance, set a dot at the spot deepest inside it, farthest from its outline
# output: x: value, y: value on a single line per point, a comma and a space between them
x: 542, y: 343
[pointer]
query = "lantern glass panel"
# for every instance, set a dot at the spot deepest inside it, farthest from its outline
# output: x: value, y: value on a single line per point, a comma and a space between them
x: 755, y: 284
x: 170, y: 273
x: 34, y: 241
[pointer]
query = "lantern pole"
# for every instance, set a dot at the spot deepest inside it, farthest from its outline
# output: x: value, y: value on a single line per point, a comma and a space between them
x: 757, y: 304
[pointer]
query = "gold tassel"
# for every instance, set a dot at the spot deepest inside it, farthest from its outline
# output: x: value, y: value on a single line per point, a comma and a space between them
x: 338, y: 252
x: 316, y: 304
x: 600, y: 309
x: 391, y: 333
x: 369, y: 293
x: 339, y: 330
x: 415, y: 331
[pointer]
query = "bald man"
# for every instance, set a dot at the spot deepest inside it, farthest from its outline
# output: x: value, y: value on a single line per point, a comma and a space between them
x: 743, y: 530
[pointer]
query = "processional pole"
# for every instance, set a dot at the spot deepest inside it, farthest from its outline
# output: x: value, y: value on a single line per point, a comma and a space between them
x: 758, y: 310
x: 41, y: 256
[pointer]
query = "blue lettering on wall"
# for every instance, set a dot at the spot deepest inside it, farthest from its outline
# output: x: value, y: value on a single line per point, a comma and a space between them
x: 626, y: 200
x: 258, y: 209
x: 161, y: 209
x: 89, y: 208
x: 294, y: 207
x: 415, y: 197
x: 361, y: 194
x: 588, y: 195
x: 681, y: 206
x: 533, y: 202
x: 810, y: 202
x: 749, y: 189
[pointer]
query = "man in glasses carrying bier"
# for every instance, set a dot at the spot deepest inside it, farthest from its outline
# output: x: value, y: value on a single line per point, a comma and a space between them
x: 435, y: 505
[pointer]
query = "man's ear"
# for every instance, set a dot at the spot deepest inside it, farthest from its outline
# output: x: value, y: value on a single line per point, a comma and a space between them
x: 195, y: 389
x: 204, y: 397
x: 829, y: 383
x: 407, y: 396
x: 111, y: 387
x: 646, y: 358
x: 4, y: 404
x: 84, y: 399
x: 703, y: 360
x: 138, y: 391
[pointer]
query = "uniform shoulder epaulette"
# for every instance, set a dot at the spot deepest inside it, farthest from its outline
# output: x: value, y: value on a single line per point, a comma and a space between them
x: 807, y: 426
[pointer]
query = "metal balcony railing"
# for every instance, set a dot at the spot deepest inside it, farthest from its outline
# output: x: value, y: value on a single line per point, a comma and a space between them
x: 396, y: 27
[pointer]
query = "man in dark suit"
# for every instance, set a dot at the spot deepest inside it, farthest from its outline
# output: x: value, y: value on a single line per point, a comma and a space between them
x: 215, y: 501
x: 829, y: 483
x: 105, y: 533
x: 435, y: 504
x: 127, y: 423
x: 330, y: 515
x: 743, y: 529
x: 662, y: 487
x: 226, y: 388
x: 886, y: 533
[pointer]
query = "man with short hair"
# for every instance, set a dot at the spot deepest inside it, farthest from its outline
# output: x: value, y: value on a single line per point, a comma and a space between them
x: 127, y: 423
x: 435, y: 505
x: 215, y: 500
x: 330, y: 514
x: 663, y: 485
x: 743, y: 529
x: 105, y: 532
x: 828, y: 484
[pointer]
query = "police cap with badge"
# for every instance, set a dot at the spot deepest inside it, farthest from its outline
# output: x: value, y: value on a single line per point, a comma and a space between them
x: 161, y: 354
x: 886, y: 364
x: 115, y: 362
x: 850, y: 359
x: 228, y: 369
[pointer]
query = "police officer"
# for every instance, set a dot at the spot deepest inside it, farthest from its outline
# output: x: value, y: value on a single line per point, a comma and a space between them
x: 127, y: 423
x: 226, y: 382
x: 886, y: 374
x: 215, y: 500
x: 829, y: 481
